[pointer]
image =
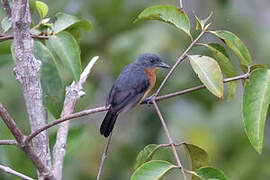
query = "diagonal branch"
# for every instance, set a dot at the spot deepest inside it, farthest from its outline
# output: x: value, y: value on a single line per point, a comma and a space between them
x: 170, y: 139
x: 103, y: 108
x: 5, y: 37
x: 8, y: 142
x: 73, y: 93
x: 15, y: 173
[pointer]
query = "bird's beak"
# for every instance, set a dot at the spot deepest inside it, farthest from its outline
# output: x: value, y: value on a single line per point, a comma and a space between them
x: 163, y: 65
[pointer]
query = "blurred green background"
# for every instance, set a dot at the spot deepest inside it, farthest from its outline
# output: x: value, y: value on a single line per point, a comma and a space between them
x: 198, y: 117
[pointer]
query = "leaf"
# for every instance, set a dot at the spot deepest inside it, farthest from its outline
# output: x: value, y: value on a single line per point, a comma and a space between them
x: 67, y: 49
x: 152, y: 170
x: 223, y: 59
x: 42, y: 9
x: 253, y: 67
x: 65, y: 21
x: 209, y: 73
x: 200, y: 23
x: 209, y: 173
x: 236, y: 45
x: 5, y: 24
x: 32, y: 6
x: 167, y: 13
x: 145, y: 155
x: 198, y: 156
x: 50, y: 79
x: 256, y: 100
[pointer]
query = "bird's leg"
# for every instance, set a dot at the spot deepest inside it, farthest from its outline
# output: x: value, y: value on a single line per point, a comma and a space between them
x: 149, y: 99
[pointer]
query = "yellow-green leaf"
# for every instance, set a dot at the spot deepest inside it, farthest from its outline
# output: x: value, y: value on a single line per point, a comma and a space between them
x: 42, y: 9
x: 152, y: 170
x: 145, y: 155
x: 256, y: 99
x: 209, y: 173
x: 221, y: 56
x: 209, y: 73
x: 236, y: 45
x: 169, y: 14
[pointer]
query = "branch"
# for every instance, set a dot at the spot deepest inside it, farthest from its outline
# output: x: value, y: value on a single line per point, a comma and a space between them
x: 8, y: 142
x: 103, y: 108
x: 20, y: 138
x: 180, y: 59
x: 7, y: 7
x: 5, y: 37
x: 73, y: 93
x: 181, y: 4
x: 170, y: 139
x: 15, y: 173
x: 104, y: 156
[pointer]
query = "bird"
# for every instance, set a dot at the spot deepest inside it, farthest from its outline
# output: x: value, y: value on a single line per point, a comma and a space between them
x: 131, y: 87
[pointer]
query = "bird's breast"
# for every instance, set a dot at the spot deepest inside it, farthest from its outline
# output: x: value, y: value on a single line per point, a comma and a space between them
x: 151, y: 73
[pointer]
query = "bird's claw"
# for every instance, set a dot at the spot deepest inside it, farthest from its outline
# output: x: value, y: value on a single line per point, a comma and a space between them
x: 149, y: 99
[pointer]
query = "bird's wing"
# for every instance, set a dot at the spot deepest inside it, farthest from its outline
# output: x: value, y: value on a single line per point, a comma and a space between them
x: 128, y: 89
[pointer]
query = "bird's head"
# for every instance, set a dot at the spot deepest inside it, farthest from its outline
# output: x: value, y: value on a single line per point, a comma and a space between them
x: 150, y: 61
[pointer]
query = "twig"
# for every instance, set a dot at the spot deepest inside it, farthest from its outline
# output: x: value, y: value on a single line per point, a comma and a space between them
x: 180, y: 59
x: 104, y: 156
x: 15, y: 173
x: 73, y: 93
x: 5, y: 37
x: 20, y: 138
x: 7, y: 7
x: 103, y: 108
x: 8, y: 142
x: 181, y: 4
x: 170, y: 139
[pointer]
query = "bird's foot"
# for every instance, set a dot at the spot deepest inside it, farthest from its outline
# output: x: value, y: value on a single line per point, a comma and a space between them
x: 149, y: 99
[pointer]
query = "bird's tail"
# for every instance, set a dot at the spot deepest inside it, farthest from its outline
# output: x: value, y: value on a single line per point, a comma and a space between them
x: 108, y: 123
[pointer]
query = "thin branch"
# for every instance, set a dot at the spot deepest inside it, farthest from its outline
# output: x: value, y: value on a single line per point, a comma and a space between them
x: 181, y: 4
x: 103, y: 108
x: 170, y: 139
x: 73, y: 93
x: 8, y: 142
x: 15, y: 173
x: 5, y: 37
x: 7, y: 7
x: 104, y: 156
x: 180, y: 59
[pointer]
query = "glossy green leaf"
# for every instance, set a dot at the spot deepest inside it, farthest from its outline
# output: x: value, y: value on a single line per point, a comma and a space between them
x: 169, y: 14
x: 256, y: 100
x: 5, y: 24
x: 223, y: 59
x: 152, y: 170
x: 209, y: 173
x: 42, y: 9
x: 201, y: 23
x: 236, y: 45
x: 65, y: 21
x: 145, y: 155
x: 67, y: 49
x: 50, y: 79
x: 209, y: 73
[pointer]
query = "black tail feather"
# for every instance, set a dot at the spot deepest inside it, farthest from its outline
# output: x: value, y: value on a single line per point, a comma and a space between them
x: 108, y: 123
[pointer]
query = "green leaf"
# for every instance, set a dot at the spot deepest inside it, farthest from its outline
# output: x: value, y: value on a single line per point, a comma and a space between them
x: 236, y: 45
x: 200, y: 23
x: 209, y: 73
x: 152, y: 170
x: 5, y: 24
x: 32, y: 5
x: 223, y: 59
x: 5, y: 47
x: 65, y: 21
x: 167, y: 13
x: 145, y: 155
x: 209, y: 173
x: 42, y: 9
x: 67, y: 49
x: 50, y: 79
x: 198, y: 156
x: 253, y: 67
x: 256, y: 100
